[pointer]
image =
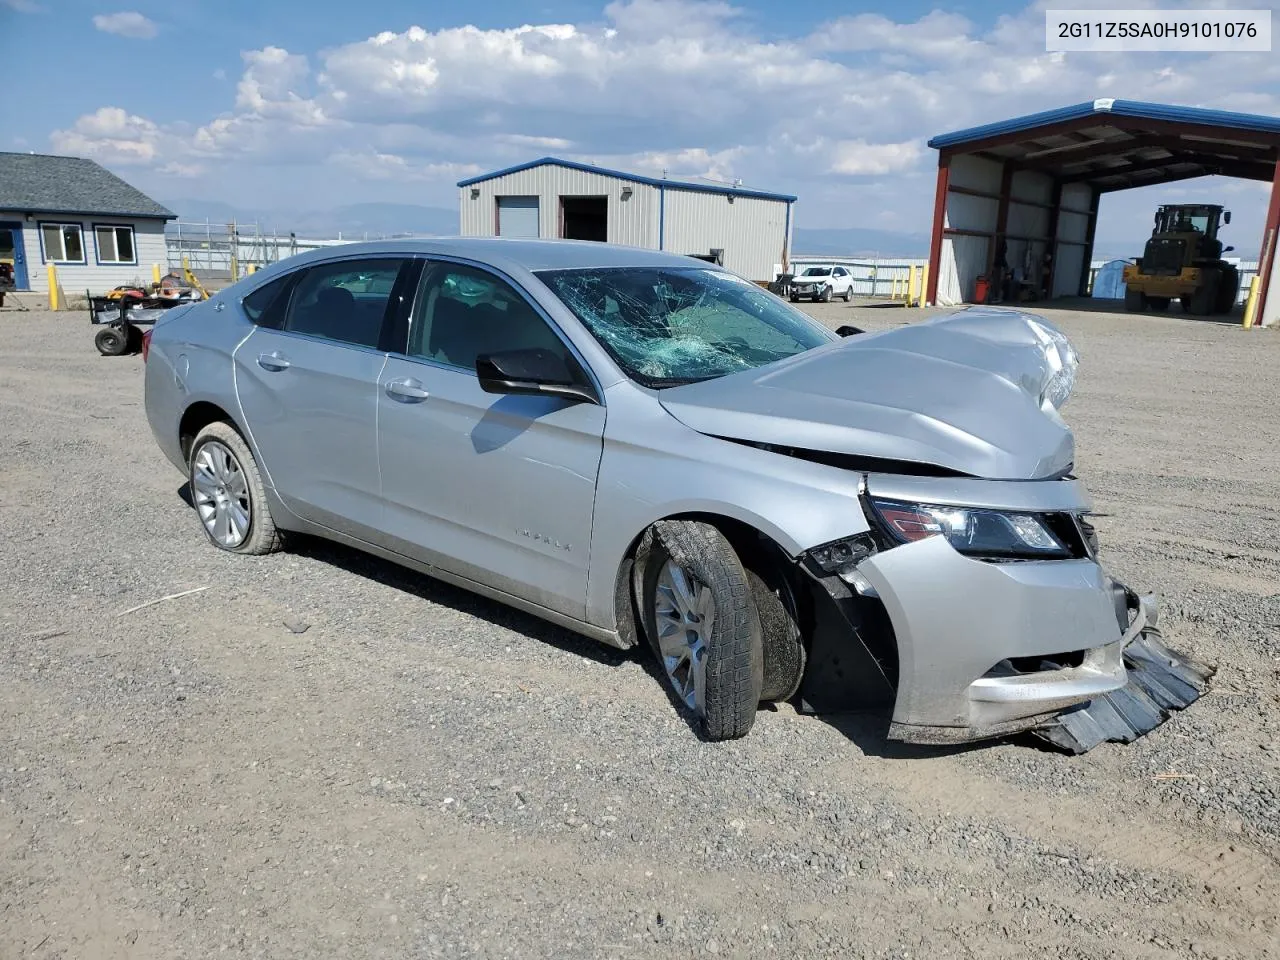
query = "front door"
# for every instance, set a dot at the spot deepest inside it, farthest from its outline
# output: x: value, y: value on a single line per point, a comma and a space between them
x: 496, y: 488
x: 309, y: 392
x: 12, y: 249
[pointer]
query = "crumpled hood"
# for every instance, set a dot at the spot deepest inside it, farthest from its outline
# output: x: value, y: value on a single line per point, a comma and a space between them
x: 962, y: 392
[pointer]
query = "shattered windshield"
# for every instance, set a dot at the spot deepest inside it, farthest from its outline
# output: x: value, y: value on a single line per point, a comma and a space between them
x: 816, y: 272
x: 667, y: 326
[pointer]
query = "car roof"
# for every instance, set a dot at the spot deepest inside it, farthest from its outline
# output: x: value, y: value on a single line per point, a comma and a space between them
x: 507, y: 252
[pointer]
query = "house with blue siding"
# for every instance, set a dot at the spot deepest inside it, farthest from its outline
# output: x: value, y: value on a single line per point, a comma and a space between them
x: 98, y: 231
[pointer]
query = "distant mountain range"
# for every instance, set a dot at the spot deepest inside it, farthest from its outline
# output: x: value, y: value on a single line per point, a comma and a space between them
x: 357, y: 220
x: 351, y: 220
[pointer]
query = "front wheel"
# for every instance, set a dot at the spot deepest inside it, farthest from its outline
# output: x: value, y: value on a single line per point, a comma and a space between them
x: 848, y: 293
x: 1134, y: 300
x: 229, y: 495
x: 703, y: 625
x: 826, y: 295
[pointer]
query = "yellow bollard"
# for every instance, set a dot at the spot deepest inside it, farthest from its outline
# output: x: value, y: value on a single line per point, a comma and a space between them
x: 155, y: 274
x: 53, y: 287
x: 253, y: 268
x: 924, y: 284
x: 893, y: 288
x: 911, y: 285
x: 1251, y: 303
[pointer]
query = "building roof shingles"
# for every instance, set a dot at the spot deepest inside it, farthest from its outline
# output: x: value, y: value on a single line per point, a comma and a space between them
x: 39, y: 183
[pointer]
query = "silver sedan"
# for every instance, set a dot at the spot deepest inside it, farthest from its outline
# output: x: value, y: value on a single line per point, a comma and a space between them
x: 647, y: 449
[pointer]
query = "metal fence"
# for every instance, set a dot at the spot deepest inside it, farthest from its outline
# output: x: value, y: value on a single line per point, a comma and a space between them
x: 883, y: 277
x: 228, y: 250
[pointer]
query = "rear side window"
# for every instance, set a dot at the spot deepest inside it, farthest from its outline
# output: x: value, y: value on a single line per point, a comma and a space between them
x: 343, y: 301
x: 266, y: 305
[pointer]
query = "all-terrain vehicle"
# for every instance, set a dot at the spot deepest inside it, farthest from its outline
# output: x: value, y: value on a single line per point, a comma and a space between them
x: 1183, y: 260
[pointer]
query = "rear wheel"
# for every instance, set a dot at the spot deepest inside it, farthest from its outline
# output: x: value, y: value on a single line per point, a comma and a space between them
x: 1134, y: 300
x: 1159, y: 304
x: 228, y: 492
x: 1186, y: 303
x: 702, y: 623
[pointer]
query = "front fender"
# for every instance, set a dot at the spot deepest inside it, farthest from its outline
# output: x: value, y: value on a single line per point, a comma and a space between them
x: 678, y: 471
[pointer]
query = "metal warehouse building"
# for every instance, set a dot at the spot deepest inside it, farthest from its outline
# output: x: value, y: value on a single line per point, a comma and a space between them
x: 1029, y: 188
x: 746, y: 231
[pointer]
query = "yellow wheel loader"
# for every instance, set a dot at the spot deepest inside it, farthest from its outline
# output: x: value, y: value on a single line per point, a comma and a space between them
x: 1183, y: 261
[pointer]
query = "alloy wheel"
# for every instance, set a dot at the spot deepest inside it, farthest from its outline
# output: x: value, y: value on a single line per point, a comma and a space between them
x: 221, y: 494
x: 684, y: 614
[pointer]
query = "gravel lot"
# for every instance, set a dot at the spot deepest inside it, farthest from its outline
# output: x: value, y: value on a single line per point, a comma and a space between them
x: 424, y: 773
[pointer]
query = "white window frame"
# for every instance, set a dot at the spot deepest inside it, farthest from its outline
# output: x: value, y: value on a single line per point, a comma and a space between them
x: 114, y: 227
x: 62, y: 225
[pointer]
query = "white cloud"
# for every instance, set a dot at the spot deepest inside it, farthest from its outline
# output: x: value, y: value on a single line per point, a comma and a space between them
x: 858, y: 158
x: 22, y: 6
x: 110, y: 134
x: 126, y: 24
x: 839, y: 116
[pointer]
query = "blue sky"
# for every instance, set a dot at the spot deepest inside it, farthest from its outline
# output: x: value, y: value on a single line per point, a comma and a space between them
x: 305, y: 104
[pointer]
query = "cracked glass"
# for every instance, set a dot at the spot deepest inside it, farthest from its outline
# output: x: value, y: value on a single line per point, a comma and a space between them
x: 667, y: 326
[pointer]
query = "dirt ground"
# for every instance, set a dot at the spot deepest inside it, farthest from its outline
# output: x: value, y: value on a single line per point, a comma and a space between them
x: 323, y: 755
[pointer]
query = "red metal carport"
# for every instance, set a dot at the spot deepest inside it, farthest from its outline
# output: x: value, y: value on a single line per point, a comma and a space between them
x: 1032, y: 185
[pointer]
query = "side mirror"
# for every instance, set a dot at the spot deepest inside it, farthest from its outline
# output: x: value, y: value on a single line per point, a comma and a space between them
x: 1227, y: 249
x: 848, y: 330
x: 536, y: 371
x: 1226, y: 217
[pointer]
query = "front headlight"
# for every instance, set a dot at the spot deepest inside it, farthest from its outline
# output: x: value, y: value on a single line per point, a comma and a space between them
x: 993, y: 534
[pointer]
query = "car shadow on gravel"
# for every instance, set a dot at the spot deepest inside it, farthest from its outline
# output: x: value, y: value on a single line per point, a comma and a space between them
x: 869, y: 732
x: 464, y: 601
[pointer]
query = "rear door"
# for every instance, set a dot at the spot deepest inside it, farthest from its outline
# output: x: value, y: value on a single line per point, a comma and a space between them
x: 307, y: 382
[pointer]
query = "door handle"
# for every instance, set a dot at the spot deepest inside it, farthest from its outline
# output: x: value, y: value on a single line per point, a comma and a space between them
x: 408, y: 390
x: 273, y: 361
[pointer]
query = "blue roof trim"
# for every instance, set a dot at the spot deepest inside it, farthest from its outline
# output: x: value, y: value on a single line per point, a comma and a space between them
x: 633, y: 177
x: 1124, y: 108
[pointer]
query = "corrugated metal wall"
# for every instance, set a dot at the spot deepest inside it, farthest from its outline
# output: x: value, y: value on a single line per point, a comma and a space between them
x: 752, y: 232
x: 1073, y: 237
x: 632, y: 222
x: 964, y: 257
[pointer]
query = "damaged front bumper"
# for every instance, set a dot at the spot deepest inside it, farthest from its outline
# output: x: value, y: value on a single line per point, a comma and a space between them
x: 969, y: 650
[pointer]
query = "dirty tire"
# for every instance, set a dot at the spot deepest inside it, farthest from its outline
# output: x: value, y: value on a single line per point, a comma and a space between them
x: 263, y: 537
x: 826, y: 295
x: 784, y: 653
x: 111, y: 341
x: 1204, y: 300
x: 1228, y: 289
x: 848, y: 293
x: 734, y: 660
x: 1134, y: 300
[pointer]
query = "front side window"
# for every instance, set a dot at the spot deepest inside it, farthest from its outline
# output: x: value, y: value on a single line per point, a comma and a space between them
x: 462, y: 312
x: 343, y: 301
x: 266, y: 305
x: 115, y: 244
x: 667, y: 326
x: 62, y: 242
